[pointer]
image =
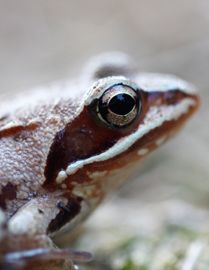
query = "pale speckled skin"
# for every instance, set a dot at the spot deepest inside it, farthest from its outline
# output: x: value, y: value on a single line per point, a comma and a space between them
x: 31, y: 123
x: 23, y: 161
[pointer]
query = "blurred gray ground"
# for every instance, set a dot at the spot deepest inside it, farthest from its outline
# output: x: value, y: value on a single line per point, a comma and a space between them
x: 43, y: 41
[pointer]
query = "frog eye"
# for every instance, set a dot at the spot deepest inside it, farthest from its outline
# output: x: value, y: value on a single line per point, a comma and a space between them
x: 119, y: 105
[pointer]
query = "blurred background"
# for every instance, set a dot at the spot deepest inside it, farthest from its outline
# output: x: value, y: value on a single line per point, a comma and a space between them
x: 160, y: 220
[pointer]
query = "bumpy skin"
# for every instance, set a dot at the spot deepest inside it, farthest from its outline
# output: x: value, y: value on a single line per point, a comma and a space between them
x: 59, y: 159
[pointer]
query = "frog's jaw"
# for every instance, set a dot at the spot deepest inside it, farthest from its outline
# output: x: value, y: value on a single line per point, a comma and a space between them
x: 92, y: 177
x: 84, y: 149
x: 131, y: 150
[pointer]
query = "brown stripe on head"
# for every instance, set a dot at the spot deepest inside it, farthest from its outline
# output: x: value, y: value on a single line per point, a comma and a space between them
x: 8, y: 192
x: 87, y: 136
x: 66, y: 214
x: 97, y: 136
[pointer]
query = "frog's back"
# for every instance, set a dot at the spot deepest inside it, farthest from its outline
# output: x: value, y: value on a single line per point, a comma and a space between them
x: 55, y: 140
x: 63, y: 148
x: 28, y: 124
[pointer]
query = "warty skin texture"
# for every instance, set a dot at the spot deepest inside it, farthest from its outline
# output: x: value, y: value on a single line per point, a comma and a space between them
x: 59, y: 159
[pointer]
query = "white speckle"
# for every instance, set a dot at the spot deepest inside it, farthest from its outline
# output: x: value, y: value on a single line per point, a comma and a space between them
x: 24, y: 189
x: 61, y: 177
x: 12, y: 124
x: 22, y: 195
x: 77, y: 192
x: 16, y: 182
x: 97, y: 175
x: 63, y: 186
x: 34, y: 121
x: 52, y: 119
x: 161, y: 140
x: 142, y: 152
x: 86, y: 192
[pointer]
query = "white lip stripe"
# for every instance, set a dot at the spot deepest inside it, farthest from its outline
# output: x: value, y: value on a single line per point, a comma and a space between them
x: 61, y: 177
x: 152, y: 120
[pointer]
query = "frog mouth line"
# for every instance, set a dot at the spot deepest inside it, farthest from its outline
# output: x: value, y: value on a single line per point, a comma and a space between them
x: 167, y: 113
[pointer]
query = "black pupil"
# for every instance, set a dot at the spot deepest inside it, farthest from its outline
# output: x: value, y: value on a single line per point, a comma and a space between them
x: 121, y: 104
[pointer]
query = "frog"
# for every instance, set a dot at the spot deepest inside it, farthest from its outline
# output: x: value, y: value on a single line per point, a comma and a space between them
x: 67, y: 145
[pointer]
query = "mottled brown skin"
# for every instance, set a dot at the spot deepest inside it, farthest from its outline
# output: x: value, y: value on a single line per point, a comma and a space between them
x: 67, y: 212
x: 68, y: 146
x: 39, y: 139
x: 8, y: 193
